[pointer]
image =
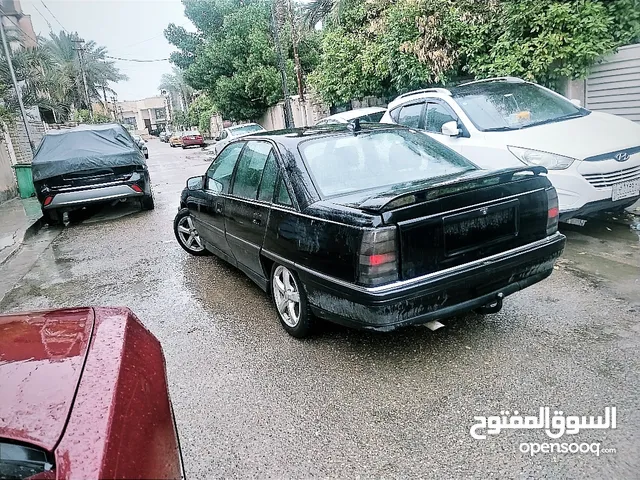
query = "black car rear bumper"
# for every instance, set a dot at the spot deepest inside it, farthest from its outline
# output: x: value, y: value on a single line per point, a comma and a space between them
x: 434, y: 296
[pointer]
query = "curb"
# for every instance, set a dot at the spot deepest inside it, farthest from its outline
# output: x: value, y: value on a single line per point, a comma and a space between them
x: 33, y: 229
x: 30, y: 231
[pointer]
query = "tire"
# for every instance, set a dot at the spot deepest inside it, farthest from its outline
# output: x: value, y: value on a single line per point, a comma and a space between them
x: 290, y: 300
x: 184, y: 220
x: 147, y: 202
x: 146, y: 155
x: 52, y: 217
x: 183, y: 147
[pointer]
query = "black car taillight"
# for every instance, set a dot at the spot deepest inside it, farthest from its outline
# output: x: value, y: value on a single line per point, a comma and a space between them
x: 553, y: 211
x: 378, y: 260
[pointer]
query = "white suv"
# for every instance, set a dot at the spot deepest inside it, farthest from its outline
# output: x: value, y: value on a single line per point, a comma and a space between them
x: 593, y: 158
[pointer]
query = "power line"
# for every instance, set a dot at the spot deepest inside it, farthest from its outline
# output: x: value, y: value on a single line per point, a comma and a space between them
x: 54, y: 17
x: 137, y: 59
x: 138, y: 43
x: 43, y: 17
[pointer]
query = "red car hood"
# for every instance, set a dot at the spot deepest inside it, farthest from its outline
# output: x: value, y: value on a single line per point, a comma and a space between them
x: 42, y: 355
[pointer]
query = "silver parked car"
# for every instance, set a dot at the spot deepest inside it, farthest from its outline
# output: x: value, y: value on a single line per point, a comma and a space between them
x: 368, y: 114
x: 234, y: 132
x: 142, y: 145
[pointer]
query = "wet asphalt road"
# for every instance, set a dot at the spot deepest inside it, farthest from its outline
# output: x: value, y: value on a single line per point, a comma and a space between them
x: 253, y: 402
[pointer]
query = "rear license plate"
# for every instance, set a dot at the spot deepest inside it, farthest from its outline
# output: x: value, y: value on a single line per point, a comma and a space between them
x: 625, y: 190
x: 480, y: 227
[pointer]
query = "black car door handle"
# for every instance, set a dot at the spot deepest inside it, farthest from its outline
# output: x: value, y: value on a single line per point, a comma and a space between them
x: 218, y: 208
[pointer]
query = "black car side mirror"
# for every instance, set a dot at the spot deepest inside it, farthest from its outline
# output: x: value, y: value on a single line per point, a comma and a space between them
x: 195, y: 183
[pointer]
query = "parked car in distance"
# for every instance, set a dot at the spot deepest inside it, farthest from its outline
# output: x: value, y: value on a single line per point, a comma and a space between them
x: 142, y: 145
x: 192, y: 138
x: 593, y: 158
x: 175, y: 140
x: 237, y: 131
x: 371, y: 226
x: 368, y: 114
x: 84, y: 395
x: 164, y: 136
x: 89, y: 164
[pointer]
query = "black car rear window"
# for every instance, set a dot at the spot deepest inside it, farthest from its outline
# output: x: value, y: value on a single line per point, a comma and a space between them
x: 345, y: 163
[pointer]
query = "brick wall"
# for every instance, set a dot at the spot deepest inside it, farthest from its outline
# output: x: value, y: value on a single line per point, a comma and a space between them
x: 19, y: 137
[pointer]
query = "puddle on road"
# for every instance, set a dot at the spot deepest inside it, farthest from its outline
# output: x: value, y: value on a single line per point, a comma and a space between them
x: 606, y: 251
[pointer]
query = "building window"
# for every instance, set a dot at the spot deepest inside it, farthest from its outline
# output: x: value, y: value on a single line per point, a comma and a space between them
x: 130, y: 120
x: 160, y: 113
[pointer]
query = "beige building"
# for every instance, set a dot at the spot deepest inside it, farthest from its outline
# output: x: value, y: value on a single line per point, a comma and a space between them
x: 144, y: 115
x: 18, y: 23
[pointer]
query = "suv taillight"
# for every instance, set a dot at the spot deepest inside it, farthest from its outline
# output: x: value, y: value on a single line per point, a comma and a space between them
x: 378, y: 260
x: 553, y: 211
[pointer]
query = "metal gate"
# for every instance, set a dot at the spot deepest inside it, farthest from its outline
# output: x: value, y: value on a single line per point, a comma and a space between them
x: 614, y: 85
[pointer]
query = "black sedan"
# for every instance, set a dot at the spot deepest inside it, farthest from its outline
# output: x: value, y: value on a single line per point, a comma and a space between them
x: 370, y: 226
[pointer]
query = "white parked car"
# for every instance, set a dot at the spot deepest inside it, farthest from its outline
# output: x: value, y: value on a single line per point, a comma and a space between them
x: 234, y: 132
x: 593, y: 158
x: 368, y: 114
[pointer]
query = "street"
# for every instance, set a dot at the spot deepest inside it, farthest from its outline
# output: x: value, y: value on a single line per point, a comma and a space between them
x: 251, y: 401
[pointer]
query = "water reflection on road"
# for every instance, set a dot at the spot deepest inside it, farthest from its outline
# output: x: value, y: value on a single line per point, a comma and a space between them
x: 606, y: 250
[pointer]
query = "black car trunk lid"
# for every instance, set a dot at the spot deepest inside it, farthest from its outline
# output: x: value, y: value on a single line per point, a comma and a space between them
x: 460, y: 220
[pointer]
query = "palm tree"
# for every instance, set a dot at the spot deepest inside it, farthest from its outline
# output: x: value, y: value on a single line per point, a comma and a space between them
x: 99, y: 70
x: 177, y: 86
x: 317, y: 11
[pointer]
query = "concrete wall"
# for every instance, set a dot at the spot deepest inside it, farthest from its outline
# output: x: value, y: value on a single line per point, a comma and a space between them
x: 305, y: 113
x: 8, y: 186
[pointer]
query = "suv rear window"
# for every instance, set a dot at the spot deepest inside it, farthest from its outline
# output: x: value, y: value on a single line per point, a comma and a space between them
x: 345, y: 163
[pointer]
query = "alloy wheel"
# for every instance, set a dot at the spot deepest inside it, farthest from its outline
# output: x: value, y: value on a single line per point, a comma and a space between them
x: 189, y: 235
x: 286, y: 295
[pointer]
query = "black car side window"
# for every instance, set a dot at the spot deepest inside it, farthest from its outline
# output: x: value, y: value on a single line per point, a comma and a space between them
x: 268, y: 182
x: 249, y: 171
x: 221, y: 170
x: 282, y: 195
x: 410, y: 115
x: 438, y: 115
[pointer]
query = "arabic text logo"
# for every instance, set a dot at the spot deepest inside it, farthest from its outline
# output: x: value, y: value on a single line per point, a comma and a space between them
x: 555, y: 426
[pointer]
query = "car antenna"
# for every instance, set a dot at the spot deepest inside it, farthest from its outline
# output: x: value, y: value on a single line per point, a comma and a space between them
x: 354, y: 126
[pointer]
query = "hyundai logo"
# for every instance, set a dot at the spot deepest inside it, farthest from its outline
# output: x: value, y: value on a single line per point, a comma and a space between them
x: 622, y: 157
x: 483, y: 211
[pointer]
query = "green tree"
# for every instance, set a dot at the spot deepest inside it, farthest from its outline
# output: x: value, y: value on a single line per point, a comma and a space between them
x: 546, y: 41
x: 385, y: 47
x: 200, y: 112
x: 233, y: 56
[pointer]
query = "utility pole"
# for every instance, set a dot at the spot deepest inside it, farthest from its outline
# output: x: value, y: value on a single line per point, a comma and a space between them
x: 288, y: 114
x: 296, y: 58
x: 7, y: 54
x: 114, y: 102
x: 80, y: 50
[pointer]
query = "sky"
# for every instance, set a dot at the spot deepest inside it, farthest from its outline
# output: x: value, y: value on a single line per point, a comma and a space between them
x: 129, y: 29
